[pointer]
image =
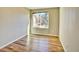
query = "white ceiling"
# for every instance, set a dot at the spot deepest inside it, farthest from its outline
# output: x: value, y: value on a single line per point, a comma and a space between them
x: 39, y: 7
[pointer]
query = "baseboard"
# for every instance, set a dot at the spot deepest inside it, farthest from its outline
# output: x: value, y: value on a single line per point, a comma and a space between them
x: 45, y: 34
x: 12, y: 41
x: 62, y: 44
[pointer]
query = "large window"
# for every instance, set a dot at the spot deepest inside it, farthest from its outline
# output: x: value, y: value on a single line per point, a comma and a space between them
x: 40, y: 20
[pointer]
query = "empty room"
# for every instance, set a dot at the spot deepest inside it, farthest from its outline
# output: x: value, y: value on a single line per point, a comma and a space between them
x: 39, y: 29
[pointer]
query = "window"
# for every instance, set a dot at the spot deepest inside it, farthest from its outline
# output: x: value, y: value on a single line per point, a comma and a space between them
x: 40, y: 20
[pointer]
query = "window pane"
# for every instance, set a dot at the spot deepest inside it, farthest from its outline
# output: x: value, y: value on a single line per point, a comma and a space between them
x: 40, y: 20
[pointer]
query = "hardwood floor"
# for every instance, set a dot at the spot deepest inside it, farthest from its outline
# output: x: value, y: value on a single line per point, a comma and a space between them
x: 38, y: 44
x: 18, y: 46
x: 46, y: 44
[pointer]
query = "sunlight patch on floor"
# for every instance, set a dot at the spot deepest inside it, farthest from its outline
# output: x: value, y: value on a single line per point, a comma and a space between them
x: 40, y: 45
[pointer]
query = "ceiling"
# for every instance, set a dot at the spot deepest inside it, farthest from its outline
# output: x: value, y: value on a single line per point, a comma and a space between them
x: 39, y: 7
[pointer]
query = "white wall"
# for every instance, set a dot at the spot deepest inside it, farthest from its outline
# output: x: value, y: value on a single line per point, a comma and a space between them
x: 13, y: 24
x: 69, y: 28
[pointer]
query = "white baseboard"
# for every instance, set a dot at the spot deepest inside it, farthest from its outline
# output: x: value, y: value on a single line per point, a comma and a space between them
x: 12, y: 41
x: 45, y: 34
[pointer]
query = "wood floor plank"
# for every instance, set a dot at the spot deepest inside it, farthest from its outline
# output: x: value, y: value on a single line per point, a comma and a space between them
x: 39, y: 43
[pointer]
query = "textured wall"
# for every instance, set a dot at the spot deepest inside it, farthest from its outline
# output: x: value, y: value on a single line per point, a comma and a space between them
x: 69, y: 28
